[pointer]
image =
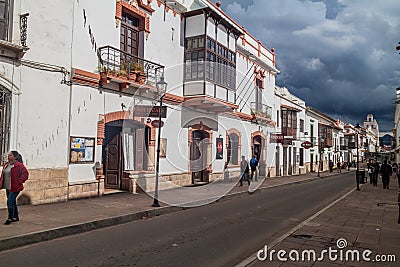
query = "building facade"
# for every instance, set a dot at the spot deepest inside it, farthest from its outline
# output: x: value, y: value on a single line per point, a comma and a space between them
x: 81, y: 99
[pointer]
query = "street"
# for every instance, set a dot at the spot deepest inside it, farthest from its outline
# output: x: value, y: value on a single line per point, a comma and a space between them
x: 221, y: 234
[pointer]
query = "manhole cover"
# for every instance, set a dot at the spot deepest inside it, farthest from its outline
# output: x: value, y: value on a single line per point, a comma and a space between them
x: 302, y: 236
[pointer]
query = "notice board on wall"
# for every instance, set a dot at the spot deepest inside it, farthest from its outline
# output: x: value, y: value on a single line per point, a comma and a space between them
x: 82, y: 150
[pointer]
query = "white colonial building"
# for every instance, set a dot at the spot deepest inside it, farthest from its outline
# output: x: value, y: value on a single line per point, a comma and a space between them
x: 81, y: 98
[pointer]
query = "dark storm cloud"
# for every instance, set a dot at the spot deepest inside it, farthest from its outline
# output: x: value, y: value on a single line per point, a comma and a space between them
x: 338, y: 55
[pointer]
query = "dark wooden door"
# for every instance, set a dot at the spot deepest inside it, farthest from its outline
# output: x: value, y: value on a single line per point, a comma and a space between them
x: 198, y: 157
x: 113, y: 163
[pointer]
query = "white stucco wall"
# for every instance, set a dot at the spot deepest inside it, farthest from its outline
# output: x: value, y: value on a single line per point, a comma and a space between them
x: 39, y: 126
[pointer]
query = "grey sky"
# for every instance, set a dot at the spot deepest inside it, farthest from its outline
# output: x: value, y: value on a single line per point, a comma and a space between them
x: 338, y: 55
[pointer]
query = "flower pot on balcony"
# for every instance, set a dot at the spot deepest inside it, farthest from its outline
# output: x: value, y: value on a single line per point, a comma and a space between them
x: 132, y: 76
x: 141, y: 77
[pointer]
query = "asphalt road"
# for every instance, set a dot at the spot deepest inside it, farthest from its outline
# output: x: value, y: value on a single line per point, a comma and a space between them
x: 221, y: 234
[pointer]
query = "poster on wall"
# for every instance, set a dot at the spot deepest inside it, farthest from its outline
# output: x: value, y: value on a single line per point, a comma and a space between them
x: 163, y: 147
x: 220, y: 151
x: 82, y: 149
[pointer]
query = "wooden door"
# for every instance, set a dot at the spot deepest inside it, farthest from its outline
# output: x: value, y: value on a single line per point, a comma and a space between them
x: 198, y: 157
x: 113, y: 163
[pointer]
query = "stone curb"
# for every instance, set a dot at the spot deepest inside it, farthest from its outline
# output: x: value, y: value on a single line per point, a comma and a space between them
x: 54, y: 233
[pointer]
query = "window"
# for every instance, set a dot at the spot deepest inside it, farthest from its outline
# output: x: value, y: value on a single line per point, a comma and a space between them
x: 277, y: 118
x: 259, y: 86
x: 289, y: 122
x: 233, y: 149
x: 194, y: 59
x: 194, y: 65
x: 129, y: 38
x: 220, y: 62
x: 5, y: 18
x: 301, y: 156
x: 301, y: 126
x: 5, y: 121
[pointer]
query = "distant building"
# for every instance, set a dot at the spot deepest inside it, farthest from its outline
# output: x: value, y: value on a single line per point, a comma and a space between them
x: 371, y: 124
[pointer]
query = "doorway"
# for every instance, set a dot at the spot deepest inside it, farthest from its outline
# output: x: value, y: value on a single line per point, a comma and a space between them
x: 258, y: 151
x: 135, y: 136
x: 199, y: 149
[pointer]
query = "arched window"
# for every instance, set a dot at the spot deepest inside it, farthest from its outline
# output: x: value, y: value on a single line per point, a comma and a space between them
x: 233, y: 149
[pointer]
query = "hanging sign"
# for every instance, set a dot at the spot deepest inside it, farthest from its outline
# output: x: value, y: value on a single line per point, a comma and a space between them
x: 157, y: 123
x: 220, y: 150
x: 150, y: 111
x: 276, y: 138
x: 307, y: 144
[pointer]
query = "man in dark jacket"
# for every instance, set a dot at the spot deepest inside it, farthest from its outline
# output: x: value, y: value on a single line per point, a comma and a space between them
x: 386, y: 171
x: 244, y: 171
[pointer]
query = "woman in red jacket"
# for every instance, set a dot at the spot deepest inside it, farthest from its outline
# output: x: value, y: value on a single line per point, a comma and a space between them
x: 13, y: 176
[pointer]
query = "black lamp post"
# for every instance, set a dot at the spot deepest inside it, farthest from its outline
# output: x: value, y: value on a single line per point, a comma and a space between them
x: 162, y: 88
x: 320, y: 144
x: 357, y: 127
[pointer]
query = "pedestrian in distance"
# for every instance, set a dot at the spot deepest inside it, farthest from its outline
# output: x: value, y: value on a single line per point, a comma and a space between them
x: 398, y: 174
x: 376, y: 168
x: 339, y: 167
x: 244, y: 171
x: 253, y: 166
x: 370, y: 170
x: 13, y: 176
x: 330, y: 166
x: 386, y: 172
x: 348, y: 165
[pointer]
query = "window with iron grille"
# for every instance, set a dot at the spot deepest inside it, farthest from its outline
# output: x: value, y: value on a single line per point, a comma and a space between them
x: 5, y: 120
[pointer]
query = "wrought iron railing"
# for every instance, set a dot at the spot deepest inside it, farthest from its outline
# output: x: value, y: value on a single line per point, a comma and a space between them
x: 120, y: 63
x: 261, y: 110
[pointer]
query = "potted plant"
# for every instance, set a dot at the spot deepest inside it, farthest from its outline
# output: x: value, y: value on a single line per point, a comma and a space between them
x: 140, y: 74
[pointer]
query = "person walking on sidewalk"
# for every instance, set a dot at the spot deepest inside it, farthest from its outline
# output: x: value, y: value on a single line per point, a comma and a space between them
x: 370, y: 170
x: 339, y: 166
x: 253, y: 166
x: 386, y: 172
x: 13, y: 176
x: 376, y: 169
x: 244, y: 171
x: 330, y: 166
x: 398, y: 175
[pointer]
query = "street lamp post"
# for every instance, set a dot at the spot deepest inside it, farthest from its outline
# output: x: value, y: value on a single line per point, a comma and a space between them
x: 162, y: 88
x: 358, y: 168
x: 320, y: 150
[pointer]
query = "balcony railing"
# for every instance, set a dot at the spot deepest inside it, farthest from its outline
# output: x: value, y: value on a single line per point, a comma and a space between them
x: 132, y: 68
x: 261, y: 110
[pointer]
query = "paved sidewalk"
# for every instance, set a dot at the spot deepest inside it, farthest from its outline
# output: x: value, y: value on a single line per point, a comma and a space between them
x: 45, y: 222
x: 366, y: 220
